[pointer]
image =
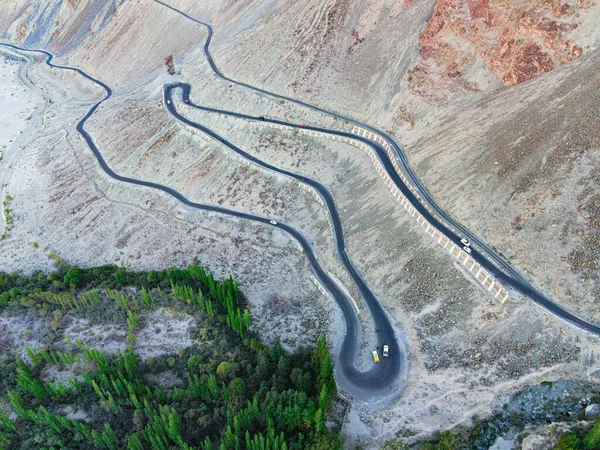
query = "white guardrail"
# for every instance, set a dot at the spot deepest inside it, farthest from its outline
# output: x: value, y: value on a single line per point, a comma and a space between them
x: 322, y: 290
x: 343, y: 288
x: 198, y: 132
x: 480, y: 274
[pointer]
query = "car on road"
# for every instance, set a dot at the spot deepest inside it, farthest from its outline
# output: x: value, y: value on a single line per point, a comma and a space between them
x: 375, y: 356
x: 386, y: 351
x: 168, y: 102
x: 187, y: 100
x: 465, y: 242
x: 261, y: 118
x: 467, y: 249
x: 273, y: 222
x: 302, y: 126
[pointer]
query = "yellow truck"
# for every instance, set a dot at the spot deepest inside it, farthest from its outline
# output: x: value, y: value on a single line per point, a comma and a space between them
x: 375, y: 356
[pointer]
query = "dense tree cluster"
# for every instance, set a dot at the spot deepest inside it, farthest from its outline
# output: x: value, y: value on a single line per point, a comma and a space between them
x: 233, y: 392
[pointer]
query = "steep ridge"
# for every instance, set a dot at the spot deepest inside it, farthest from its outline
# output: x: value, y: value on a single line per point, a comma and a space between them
x: 515, y: 41
x: 523, y: 176
x: 99, y: 35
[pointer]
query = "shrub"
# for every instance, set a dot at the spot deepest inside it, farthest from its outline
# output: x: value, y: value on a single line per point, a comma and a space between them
x: 73, y: 277
x: 568, y: 441
x: 226, y: 369
x: 123, y: 277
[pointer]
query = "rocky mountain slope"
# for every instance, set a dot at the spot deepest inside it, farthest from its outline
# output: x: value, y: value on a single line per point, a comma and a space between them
x: 528, y: 170
x: 508, y: 149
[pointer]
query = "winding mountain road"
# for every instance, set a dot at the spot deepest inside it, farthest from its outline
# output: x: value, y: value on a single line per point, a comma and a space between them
x: 374, y: 383
x: 382, y: 377
x: 481, y: 252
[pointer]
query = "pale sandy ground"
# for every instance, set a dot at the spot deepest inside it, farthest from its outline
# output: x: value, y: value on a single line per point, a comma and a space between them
x: 16, y: 103
x: 18, y: 106
x: 164, y: 332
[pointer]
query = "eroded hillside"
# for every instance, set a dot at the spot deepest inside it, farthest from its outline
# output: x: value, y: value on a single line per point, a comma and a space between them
x: 518, y: 167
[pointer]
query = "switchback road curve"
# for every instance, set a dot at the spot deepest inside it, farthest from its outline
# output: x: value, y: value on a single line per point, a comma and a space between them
x: 481, y: 251
x: 374, y: 383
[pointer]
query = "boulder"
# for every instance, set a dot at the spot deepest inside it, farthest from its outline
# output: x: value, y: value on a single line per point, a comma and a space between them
x: 592, y: 410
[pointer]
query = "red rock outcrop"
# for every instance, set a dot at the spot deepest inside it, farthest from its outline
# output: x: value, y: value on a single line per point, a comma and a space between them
x: 170, y: 64
x: 517, y: 40
x: 22, y: 31
x: 357, y: 40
